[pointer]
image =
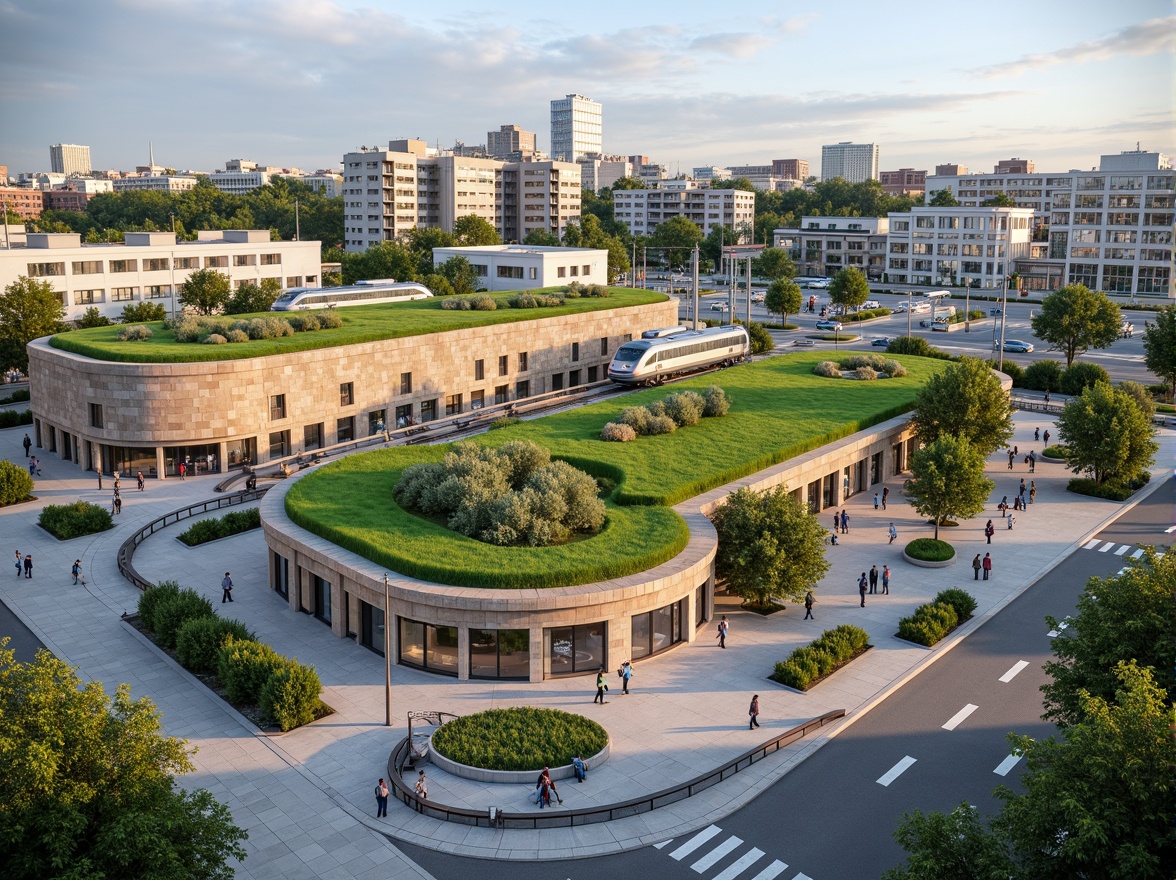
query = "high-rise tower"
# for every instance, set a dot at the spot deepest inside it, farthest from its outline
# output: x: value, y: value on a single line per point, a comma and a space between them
x: 576, y: 128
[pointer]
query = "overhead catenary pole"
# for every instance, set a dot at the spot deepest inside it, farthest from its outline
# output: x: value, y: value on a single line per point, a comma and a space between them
x: 694, y: 254
x: 748, y: 313
x: 1004, y: 308
x: 387, y: 654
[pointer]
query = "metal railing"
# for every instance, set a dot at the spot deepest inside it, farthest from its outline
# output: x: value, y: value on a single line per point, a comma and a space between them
x: 126, y: 552
x: 591, y: 815
x: 1037, y: 404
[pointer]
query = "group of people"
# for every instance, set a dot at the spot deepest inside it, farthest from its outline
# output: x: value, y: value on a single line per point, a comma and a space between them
x: 625, y: 673
x: 871, y: 580
x: 24, y: 563
x: 984, y: 564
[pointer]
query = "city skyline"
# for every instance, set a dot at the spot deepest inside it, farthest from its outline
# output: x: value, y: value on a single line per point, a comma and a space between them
x: 299, y: 84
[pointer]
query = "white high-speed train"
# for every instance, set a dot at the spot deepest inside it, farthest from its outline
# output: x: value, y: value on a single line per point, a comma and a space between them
x: 650, y: 361
x: 361, y: 293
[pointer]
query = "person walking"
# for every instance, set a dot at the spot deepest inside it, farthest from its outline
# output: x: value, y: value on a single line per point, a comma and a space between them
x: 1004, y: 505
x: 184, y: 470
x: 885, y: 495
x: 722, y: 627
x: 226, y: 589
x: 753, y: 713
x: 873, y: 579
x: 976, y: 566
x: 809, y: 601
x: 28, y: 444
x: 1032, y: 491
x: 844, y: 522
x: 601, y: 687
x: 626, y: 674
x: 381, y: 799
x: 76, y: 570
x: 1047, y: 401
x: 1037, y: 435
x: 1012, y: 522
x: 1021, y: 489
x: 422, y: 786
x: 886, y: 580
x: 862, y: 588
x: 139, y: 478
x: 1032, y: 460
x: 987, y: 565
x: 19, y: 558
x: 877, y: 500
x: 1012, y: 455
x: 836, y: 521
x: 28, y: 565
x: 989, y: 531
x: 893, y: 534
x: 1045, y: 438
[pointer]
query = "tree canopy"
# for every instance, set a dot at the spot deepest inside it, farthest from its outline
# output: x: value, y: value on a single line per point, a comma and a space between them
x: 774, y: 264
x: 206, y: 290
x: 474, y: 231
x: 1159, y: 347
x: 89, y: 787
x: 391, y: 259
x: 948, y: 480
x: 1000, y: 200
x: 967, y: 401
x: 29, y: 309
x: 1075, y: 319
x: 460, y: 274
x: 134, y: 313
x: 679, y: 235
x: 253, y: 297
x: 943, y: 198
x: 783, y: 298
x: 849, y: 288
x: 1107, y: 434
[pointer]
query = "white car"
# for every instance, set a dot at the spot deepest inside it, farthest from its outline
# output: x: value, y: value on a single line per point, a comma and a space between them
x: 871, y: 304
x: 1018, y: 346
x: 720, y: 307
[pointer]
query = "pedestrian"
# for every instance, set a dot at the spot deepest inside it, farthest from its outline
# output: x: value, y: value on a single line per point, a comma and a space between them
x: 845, y: 522
x: 226, y: 589
x: 579, y: 769
x: 1045, y: 438
x: 1047, y: 401
x: 1032, y: 491
x: 19, y: 557
x: 836, y: 521
x: 626, y: 674
x: 753, y: 713
x: 1012, y: 455
x: 1032, y: 460
x: 885, y: 495
x: 422, y: 786
x: 117, y: 482
x: 139, y: 477
x: 28, y: 444
x: 1012, y: 522
x: 32, y: 467
x: 723, y: 626
x: 989, y: 531
x: 1016, y: 451
x: 28, y: 565
x: 601, y: 687
x: 546, y: 780
x: 809, y: 601
x: 183, y: 470
x: 76, y: 571
x: 987, y: 564
x: 886, y: 580
x: 877, y: 500
x: 1016, y: 502
x: 862, y: 588
x: 1037, y: 435
x: 1004, y: 505
x: 1021, y: 489
x: 976, y: 565
x: 873, y: 579
x: 893, y: 534
x: 381, y: 799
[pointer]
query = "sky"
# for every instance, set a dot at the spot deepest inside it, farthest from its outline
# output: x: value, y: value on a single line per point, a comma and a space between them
x: 296, y: 83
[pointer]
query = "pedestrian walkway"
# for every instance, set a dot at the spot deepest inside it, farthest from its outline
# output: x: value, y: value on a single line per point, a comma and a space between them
x: 307, y: 797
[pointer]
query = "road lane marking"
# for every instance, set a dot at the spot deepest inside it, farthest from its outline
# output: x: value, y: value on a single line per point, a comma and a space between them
x: 1107, y: 546
x: 711, y: 858
x: 1008, y: 764
x: 1122, y: 549
x: 959, y: 716
x: 896, y: 771
x: 695, y: 842
x: 802, y: 877
x: 664, y: 843
x: 1091, y: 544
x: 1137, y: 553
x: 1170, y: 530
x: 744, y: 862
x: 771, y: 871
x: 1012, y: 673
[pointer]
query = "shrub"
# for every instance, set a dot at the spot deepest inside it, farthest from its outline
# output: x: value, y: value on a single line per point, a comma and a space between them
x: 199, y: 641
x: 152, y: 598
x: 715, y: 403
x: 616, y: 432
x: 10, y: 418
x: 1081, y: 376
x: 1057, y: 450
x: 185, y: 329
x: 137, y: 333
x: 930, y: 550
x: 454, y: 304
x: 15, y: 483
x: 238, y: 336
x: 330, y: 320
x: 205, y: 530
x: 1043, y: 376
x: 535, y: 301
x: 821, y: 657
x: 1011, y: 369
x: 853, y: 362
x: 637, y: 418
x: 214, y: 339
x: 1112, y: 490
x: 928, y: 624
x: 290, y: 696
x: 147, y: 311
x: 961, y: 600
x: 660, y: 425
x: 65, y: 521
x: 761, y: 339
x: 503, y: 422
x: 894, y: 369
x: 174, y: 611
x: 828, y: 369
x: 916, y: 345
x: 867, y: 373
x: 22, y: 394
x: 244, y: 666
x: 685, y: 408
x: 519, y: 738
x: 599, y: 291
x: 483, y: 303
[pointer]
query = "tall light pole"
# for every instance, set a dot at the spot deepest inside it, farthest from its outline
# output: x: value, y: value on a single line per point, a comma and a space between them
x: 908, y: 313
x: 967, y: 305
x: 296, y: 225
x: 387, y: 654
x: 1004, y: 308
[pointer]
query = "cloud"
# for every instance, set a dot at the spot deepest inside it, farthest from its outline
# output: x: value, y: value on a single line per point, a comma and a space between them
x: 1146, y: 38
x: 741, y: 45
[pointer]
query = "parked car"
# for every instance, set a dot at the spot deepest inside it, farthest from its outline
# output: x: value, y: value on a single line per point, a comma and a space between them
x: 871, y: 304
x: 828, y: 325
x: 881, y: 341
x: 758, y: 297
x: 720, y: 307
x: 1018, y: 345
x: 799, y: 342
x: 900, y: 309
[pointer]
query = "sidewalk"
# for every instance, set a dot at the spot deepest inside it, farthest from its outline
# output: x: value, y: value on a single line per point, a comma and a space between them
x: 306, y: 797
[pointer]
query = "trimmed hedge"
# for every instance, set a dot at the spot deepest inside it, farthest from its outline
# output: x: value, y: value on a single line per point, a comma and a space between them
x: 244, y: 666
x: 821, y: 657
x: 930, y: 550
x: 1056, y: 451
x: 65, y: 521
x: 11, y: 418
x: 174, y: 611
x: 18, y: 396
x: 152, y: 598
x: 199, y: 641
x: 520, y: 738
x: 1111, y: 490
x: 961, y: 600
x: 291, y: 695
x: 928, y: 624
x: 15, y: 483
x: 205, y: 530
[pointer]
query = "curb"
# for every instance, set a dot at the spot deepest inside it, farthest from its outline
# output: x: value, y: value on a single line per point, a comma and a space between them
x: 516, y: 777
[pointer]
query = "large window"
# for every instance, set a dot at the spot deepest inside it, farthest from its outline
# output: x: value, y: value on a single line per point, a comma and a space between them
x: 428, y: 410
x: 500, y: 653
x: 312, y: 436
x: 655, y: 631
x: 453, y: 404
x: 87, y: 267
x: 345, y: 429
x: 322, y: 600
x: 277, y: 407
x: 124, y: 265
x: 574, y: 649
x: 279, y: 444
x: 371, y: 627
x: 428, y: 646
x: 280, y: 574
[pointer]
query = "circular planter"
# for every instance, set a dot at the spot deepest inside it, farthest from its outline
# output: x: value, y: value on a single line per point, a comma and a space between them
x: 923, y: 563
x: 1049, y: 460
x: 527, y: 777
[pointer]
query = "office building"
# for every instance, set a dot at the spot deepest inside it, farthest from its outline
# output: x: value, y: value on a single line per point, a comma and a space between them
x: 155, y: 182
x: 576, y: 128
x: 903, y: 182
x: 70, y: 159
x: 510, y: 143
x: 597, y: 173
x: 707, y: 173
x: 326, y: 184
x: 642, y: 210
x: 526, y: 267
x: 826, y: 245
x: 25, y: 203
x: 790, y: 169
x: 855, y: 163
x: 950, y: 170
x: 955, y: 246
x: 239, y: 182
x: 1013, y: 166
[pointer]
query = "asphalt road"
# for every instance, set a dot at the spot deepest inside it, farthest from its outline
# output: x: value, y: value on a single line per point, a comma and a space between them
x: 834, y: 816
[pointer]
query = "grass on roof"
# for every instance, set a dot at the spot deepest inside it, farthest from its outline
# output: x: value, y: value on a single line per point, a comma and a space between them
x: 360, y: 324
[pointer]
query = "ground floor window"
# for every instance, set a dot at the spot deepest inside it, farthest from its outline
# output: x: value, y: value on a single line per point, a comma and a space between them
x: 876, y: 475
x: 371, y: 627
x: 428, y: 646
x: 241, y: 452
x: 280, y: 575
x: 312, y: 437
x: 376, y: 422
x: 322, y: 599
x: 557, y: 381
x: 345, y: 429
x: 200, y: 459
x: 574, y: 649
x: 279, y: 444
x: 829, y: 495
x: 428, y: 410
x: 700, y: 604
x: 129, y: 460
x: 500, y: 653
x: 654, y: 631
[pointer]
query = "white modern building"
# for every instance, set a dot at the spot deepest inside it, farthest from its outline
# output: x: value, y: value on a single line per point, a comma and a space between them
x: 855, y: 163
x: 70, y: 159
x: 152, y: 266
x: 954, y: 246
x: 826, y: 245
x: 706, y: 173
x: 524, y: 267
x: 643, y: 209
x: 598, y: 172
x: 329, y: 185
x: 239, y: 182
x: 576, y: 128
x: 155, y: 182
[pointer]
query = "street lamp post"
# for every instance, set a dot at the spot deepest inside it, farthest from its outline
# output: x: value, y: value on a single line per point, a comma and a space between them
x: 1004, y: 309
x: 908, y: 313
x: 967, y: 305
x: 387, y: 654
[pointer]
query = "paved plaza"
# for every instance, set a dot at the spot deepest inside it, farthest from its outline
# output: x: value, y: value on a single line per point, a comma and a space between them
x: 306, y: 797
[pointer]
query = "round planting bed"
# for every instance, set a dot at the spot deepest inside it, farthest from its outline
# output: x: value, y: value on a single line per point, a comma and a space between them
x: 928, y: 563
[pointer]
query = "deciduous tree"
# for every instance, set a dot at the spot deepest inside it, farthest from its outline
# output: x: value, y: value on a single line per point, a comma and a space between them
x: 388, y: 259
x: 29, y: 309
x: 460, y: 274
x: 849, y: 288
x: 955, y: 845
x: 948, y: 480
x: 474, y: 231
x: 137, y: 313
x: 774, y: 264
x: 253, y: 297
x: 965, y: 400
x: 943, y: 198
x: 678, y: 235
x: 1107, y: 434
x: 1075, y: 319
x: 541, y: 238
x: 206, y: 290
x: 93, y: 318
x: 783, y: 298
x: 420, y: 242
x: 1159, y: 347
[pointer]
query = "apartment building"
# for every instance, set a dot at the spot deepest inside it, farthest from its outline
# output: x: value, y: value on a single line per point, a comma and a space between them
x: 826, y: 245
x: 790, y: 169
x: 1013, y: 166
x: 156, y: 183
x: 25, y: 203
x: 510, y: 143
x: 903, y: 182
x: 707, y: 173
x: 855, y: 163
x: 954, y: 246
x: 70, y: 159
x: 152, y: 266
x: 643, y: 209
x: 538, y: 196
x: 598, y: 172
x: 326, y: 184
x: 240, y: 182
x: 577, y: 125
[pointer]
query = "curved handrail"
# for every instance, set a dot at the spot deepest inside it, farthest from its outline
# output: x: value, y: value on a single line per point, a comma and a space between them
x: 605, y: 813
x: 126, y: 551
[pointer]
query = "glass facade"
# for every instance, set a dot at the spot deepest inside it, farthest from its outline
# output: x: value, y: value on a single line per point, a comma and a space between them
x: 200, y: 459
x: 500, y: 653
x: 571, y: 650
x: 655, y: 631
x: 128, y: 460
x: 428, y: 646
x: 322, y: 600
x: 371, y: 627
x: 280, y: 575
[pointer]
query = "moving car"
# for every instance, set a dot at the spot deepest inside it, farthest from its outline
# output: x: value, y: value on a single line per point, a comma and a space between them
x: 881, y: 341
x: 828, y: 325
x: 1018, y: 345
x: 871, y: 304
x: 720, y: 307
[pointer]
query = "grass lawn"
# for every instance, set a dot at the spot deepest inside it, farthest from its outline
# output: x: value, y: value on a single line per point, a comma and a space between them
x: 779, y: 410
x: 360, y: 324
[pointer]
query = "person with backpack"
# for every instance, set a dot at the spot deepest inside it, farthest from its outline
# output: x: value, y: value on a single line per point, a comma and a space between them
x: 76, y: 571
x: 381, y: 799
x: 626, y: 672
x: 723, y: 626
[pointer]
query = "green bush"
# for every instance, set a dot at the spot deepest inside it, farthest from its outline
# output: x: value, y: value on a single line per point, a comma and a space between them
x: 761, y: 339
x: 205, y: 530
x: 503, y: 422
x: 290, y: 696
x: 716, y: 402
x: 152, y: 598
x: 22, y: 394
x: 520, y: 738
x: 1043, y: 376
x: 685, y: 408
x: 244, y: 666
x: 65, y: 521
x: 1113, y: 490
x: 174, y: 611
x: 1011, y: 369
x: 15, y: 483
x: 636, y: 417
x: 828, y: 369
x: 916, y: 345
x: 928, y: 624
x: 1081, y: 376
x: 199, y: 641
x: 961, y: 600
x: 821, y: 657
x: 11, y: 418
x: 1057, y: 450
x: 867, y: 373
x: 930, y: 550
x: 136, y: 333
x: 615, y: 432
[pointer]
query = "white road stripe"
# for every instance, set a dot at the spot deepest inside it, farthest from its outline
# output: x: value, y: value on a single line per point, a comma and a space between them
x: 1008, y: 764
x: 959, y: 716
x: 711, y: 858
x: 1122, y: 549
x: 663, y: 843
x: 777, y: 867
x: 1107, y: 546
x: 802, y: 877
x: 1091, y: 544
x: 896, y: 771
x: 1169, y: 531
x: 745, y: 861
x: 695, y: 842
x: 1012, y: 673
x: 1137, y: 553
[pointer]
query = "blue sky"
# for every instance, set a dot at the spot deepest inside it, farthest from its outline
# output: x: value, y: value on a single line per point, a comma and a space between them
x: 299, y: 82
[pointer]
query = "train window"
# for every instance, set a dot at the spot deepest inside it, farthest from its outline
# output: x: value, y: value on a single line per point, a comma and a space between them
x: 626, y: 355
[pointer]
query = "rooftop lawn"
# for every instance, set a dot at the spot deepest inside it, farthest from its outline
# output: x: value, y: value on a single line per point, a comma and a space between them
x: 360, y: 324
x: 779, y: 410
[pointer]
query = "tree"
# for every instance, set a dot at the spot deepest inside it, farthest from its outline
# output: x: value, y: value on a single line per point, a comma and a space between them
x: 1000, y: 200
x: 420, y: 242
x: 628, y: 183
x: 474, y: 231
x: 1159, y: 347
x: 711, y: 249
x: 89, y: 784
x: 1075, y: 319
x: 943, y: 198
x: 438, y: 285
x: 954, y: 845
x: 1107, y: 434
x: 849, y: 288
x: 460, y: 274
x: 948, y: 480
x: 541, y: 238
x: 253, y: 297
x: 783, y: 298
x: 388, y: 259
x: 774, y: 264
x: 966, y: 401
x: 679, y: 236
x: 770, y: 547
x: 29, y: 309
x: 137, y: 313
x: 206, y: 290
x: 93, y: 318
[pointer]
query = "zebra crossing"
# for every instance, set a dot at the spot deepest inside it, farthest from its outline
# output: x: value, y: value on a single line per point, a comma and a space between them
x: 712, y: 849
x: 1122, y: 549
